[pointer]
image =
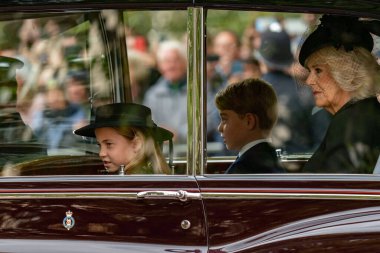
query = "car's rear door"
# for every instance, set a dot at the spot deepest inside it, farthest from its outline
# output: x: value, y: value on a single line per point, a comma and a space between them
x: 303, y: 213
x: 287, y: 212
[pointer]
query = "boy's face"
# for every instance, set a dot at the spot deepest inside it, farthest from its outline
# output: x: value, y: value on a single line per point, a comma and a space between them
x: 233, y: 129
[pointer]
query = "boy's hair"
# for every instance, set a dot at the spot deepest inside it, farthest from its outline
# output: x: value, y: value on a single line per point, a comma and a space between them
x: 250, y: 96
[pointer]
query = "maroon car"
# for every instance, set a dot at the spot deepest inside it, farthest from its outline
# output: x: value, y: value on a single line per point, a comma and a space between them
x: 61, y: 59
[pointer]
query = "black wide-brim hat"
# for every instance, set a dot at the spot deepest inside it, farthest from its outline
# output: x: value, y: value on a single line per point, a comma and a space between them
x: 124, y: 114
x: 338, y: 31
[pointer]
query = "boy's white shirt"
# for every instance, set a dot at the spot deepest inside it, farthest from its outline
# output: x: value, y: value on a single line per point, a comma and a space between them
x: 377, y: 167
x: 250, y: 145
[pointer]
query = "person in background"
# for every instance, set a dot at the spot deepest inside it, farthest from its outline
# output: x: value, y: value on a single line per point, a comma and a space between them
x: 167, y: 98
x: 345, y: 79
x: 298, y: 130
x: 77, y: 90
x: 226, y: 45
x: 214, y: 82
x: 129, y: 140
x: 251, y: 69
x: 248, y: 112
x: 140, y: 74
x: 250, y: 41
x: 54, y: 124
x: 13, y: 129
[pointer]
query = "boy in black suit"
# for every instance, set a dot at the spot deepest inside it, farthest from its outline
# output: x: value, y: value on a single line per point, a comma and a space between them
x: 248, y: 112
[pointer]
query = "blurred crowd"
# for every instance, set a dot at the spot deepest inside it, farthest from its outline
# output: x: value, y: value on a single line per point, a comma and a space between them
x: 54, y: 96
x: 266, y: 50
x: 51, y: 86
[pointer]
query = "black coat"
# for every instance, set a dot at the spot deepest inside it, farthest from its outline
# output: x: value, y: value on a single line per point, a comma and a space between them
x: 261, y: 158
x: 352, y: 141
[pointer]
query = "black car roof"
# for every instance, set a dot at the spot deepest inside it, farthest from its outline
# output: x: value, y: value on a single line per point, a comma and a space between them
x: 352, y: 7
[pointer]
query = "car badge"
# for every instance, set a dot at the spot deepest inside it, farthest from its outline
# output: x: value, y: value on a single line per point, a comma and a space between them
x: 68, y: 221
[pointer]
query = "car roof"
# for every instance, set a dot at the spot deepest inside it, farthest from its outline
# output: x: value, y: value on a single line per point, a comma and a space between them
x: 370, y: 8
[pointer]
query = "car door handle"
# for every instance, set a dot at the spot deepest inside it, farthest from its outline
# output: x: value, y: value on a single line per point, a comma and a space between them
x: 181, y: 195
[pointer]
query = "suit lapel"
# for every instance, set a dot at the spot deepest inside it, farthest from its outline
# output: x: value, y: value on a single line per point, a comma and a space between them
x: 232, y: 164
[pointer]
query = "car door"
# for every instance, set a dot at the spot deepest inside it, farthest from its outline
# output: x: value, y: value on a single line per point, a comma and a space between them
x: 307, y: 213
x: 61, y: 199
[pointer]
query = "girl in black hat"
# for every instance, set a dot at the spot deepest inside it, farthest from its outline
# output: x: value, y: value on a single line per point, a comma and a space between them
x: 129, y: 140
x: 345, y: 79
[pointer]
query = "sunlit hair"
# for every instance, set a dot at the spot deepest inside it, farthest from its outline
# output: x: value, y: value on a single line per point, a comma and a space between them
x: 150, y: 153
x: 356, y: 71
x: 250, y: 96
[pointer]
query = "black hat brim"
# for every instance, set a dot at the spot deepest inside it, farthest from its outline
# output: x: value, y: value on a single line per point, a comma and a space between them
x: 160, y: 134
x: 339, y: 32
x: 315, y: 41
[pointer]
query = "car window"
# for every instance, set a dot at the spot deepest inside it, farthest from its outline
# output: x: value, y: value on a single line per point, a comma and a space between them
x: 234, y: 45
x: 157, y: 56
x: 57, y: 69
x: 47, y: 72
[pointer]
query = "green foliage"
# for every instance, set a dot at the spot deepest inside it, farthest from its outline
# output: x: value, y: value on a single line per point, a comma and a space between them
x: 236, y: 21
x: 172, y: 24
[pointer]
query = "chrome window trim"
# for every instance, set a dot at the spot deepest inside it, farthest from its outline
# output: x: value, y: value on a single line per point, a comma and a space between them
x: 79, y: 195
x: 196, y: 99
x: 291, y: 196
x: 204, y: 195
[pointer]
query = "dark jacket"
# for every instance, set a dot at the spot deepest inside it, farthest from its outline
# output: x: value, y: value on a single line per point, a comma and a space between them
x: 352, y: 141
x: 261, y: 158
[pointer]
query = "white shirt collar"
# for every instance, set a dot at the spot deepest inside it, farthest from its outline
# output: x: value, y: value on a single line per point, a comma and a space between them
x: 250, y: 145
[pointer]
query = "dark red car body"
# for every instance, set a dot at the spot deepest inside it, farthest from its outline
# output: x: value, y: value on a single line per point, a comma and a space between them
x: 196, y: 211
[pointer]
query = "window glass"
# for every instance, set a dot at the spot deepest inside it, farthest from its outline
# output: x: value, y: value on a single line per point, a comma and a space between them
x: 157, y: 56
x: 57, y: 69
x: 47, y: 66
x: 233, y: 54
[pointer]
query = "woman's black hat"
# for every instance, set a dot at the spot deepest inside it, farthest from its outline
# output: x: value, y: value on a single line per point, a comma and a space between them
x: 124, y: 114
x: 339, y: 31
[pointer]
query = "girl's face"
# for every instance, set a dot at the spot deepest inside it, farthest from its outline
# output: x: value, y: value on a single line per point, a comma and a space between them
x: 115, y: 149
x: 327, y: 93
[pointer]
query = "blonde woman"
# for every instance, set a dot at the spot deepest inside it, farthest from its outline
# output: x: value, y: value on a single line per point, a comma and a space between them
x: 129, y: 140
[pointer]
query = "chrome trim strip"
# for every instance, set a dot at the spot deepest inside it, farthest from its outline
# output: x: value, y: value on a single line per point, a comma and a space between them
x: 289, y: 196
x: 195, y: 91
x: 63, y: 195
x: 190, y: 76
x: 206, y: 196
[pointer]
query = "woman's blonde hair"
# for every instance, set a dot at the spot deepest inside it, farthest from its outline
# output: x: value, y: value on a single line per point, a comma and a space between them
x: 150, y: 153
x: 356, y: 71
